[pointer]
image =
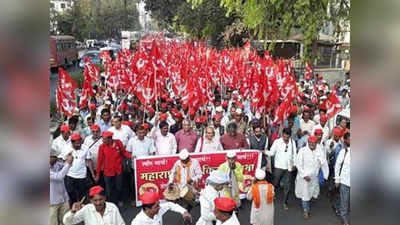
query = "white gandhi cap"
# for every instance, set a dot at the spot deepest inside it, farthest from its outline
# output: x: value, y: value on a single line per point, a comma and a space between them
x: 231, y: 154
x: 260, y: 174
x: 184, y: 154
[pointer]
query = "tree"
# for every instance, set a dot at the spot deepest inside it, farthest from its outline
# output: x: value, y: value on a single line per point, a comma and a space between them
x: 98, y: 19
x: 277, y: 19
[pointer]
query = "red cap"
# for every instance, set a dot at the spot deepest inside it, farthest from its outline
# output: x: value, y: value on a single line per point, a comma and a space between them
x: 124, y: 106
x: 313, y: 139
x: 107, y: 134
x: 95, y: 190
x: 203, y: 119
x: 150, y: 110
x: 301, y: 94
x: 164, y: 96
x: 225, y: 104
x: 337, y: 131
x: 300, y: 100
x: 306, y: 108
x: 92, y: 106
x: 163, y: 116
x: 192, y: 112
x: 217, y: 116
x: 128, y: 123
x: 169, y: 100
x: 293, y: 109
x: 146, y: 125
x: 179, y: 115
x: 323, y: 118
x: 94, y: 127
x: 318, y: 131
x: 75, y: 137
x: 64, y: 128
x: 164, y: 105
x: 225, y: 204
x: 149, y: 198
x: 198, y: 120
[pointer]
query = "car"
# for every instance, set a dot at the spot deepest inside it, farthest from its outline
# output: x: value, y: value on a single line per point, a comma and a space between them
x: 94, y: 56
x: 115, y: 48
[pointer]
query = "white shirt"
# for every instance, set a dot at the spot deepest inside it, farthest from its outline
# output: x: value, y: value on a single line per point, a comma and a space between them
x: 94, y: 149
x: 59, y: 144
x: 285, y: 154
x: 78, y: 168
x: 207, y: 197
x: 143, y: 219
x: 139, y: 148
x: 90, y: 216
x: 195, y: 172
x: 344, y: 176
x: 124, y: 133
x: 165, y: 145
x: 231, y: 221
x: 306, y: 126
x: 208, y: 146
x: 325, y: 131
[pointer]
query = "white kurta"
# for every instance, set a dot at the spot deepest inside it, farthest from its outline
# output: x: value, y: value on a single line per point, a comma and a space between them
x: 231, y: 221
x: 90, y: 216
x: 143, y: 219
x: 195, y: 172
x: 207, y: 197
x: 308, y: 164
x: 264, y: 215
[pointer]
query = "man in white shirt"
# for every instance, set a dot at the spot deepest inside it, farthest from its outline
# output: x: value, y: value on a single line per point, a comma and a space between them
x: 324, y: 126
x: 75, y: 180
x: 208, y: 143
x: 309, y: 161
x: 121, y: 132
x: 306, y: 124
x: 342, y: 180
x: 97, y: 212
x: 284, y: 150
x: 224, y: 211
x: 214, y: 185
x: 152, y: 211
x: 165, y: 142
x: 140, y: 145
x: 93, y: 142
x: 63, y: 140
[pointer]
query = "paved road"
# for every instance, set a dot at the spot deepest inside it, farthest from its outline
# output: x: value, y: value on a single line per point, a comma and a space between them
x: 321, y: 213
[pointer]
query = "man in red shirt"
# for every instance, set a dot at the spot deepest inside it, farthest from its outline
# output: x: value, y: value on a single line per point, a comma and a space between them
x: 110, y: 159
x: 233, y: 139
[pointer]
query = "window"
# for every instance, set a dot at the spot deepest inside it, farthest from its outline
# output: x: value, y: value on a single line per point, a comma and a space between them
x: 63, y: 5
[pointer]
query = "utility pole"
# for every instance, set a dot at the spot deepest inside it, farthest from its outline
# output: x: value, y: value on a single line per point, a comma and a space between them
x: 125, y: 15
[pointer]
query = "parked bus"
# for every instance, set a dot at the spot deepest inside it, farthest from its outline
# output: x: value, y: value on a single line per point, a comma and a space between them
x: 62, y: 51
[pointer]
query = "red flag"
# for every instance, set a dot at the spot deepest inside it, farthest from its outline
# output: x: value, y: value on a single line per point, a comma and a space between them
x: 87, y: 92
x: 331, y: 105
x: 66, y: 100
x: 308, y: 71
x: 91, y: 70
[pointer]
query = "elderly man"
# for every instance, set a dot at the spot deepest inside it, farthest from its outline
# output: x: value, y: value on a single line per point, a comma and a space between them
x: 309, y: 161
x: 284, y: 150
x: 75, y: 180
x: 233, y: 139
x: 187, y: 137
x: 185, y: 172
x: 224, y: 211
x: 63, y: 140
x: 234, y: 170
x: 214, y: 185
x: 216, y: 124
x: 152, y: 211
x: 93, y: 142
x: 306, y: 124
x: 208, y: 143
x: 58, y: 194
x: 262, y: 193
x: 110, y: 157
x: 165, y: 142
x: 97, y: 212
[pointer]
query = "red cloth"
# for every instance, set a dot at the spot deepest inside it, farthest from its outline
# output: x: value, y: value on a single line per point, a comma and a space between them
x: 149, y: 197
x: 313, y: 139
x: 110, y: 158
x: 239, y: 141
x: 75, y: 137
x: 95, y: 190
x: 64, y: 128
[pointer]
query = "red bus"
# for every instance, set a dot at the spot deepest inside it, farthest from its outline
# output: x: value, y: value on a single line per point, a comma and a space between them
x: 62, y: 51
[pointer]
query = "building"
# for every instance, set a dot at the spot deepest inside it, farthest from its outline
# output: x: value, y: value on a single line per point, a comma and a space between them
x: 60, y: 5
